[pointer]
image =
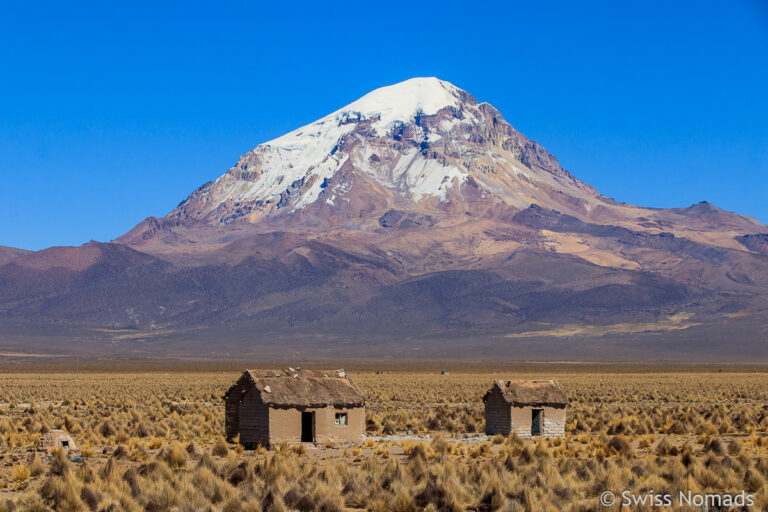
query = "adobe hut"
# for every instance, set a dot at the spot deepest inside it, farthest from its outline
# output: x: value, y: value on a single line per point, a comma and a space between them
x: 266, y: 407
x: 529, y: 407
x: 56, y: 439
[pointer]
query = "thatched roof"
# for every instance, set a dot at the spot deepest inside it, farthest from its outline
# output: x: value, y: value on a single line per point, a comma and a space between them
x: 530, y: 392
x: 294, y: 387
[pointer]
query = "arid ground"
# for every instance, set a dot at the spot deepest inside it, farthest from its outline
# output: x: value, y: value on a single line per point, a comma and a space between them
x: 153, y: 441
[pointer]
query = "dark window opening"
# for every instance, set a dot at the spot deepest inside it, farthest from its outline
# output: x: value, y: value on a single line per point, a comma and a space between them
x: 341, y: 418
x: 65, y: 444
x: 307, y: 427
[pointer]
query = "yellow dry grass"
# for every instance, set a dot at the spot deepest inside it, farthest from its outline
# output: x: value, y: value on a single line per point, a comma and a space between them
x: 154, y: 442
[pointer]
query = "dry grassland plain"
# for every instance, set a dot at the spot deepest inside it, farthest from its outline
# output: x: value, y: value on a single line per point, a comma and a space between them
x: 153, y: 442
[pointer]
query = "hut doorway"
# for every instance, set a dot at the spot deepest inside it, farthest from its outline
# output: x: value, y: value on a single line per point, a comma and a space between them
x: 536, y: 419
x: 307, y: 427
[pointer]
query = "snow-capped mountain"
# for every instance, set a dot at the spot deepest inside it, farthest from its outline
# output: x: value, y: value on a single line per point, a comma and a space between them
x: 420, y: 141
x: 412, y: 213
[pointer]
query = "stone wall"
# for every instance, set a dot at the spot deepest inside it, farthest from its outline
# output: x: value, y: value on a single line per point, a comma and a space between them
x: 497, y: 414
x: 553, y: 424
x: 253, y: 421
x: 232, y: 406
x: 57, y: 439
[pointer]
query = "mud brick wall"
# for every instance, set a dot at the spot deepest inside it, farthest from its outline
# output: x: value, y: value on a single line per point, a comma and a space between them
x: 497, y: 414
x: 285, y: 424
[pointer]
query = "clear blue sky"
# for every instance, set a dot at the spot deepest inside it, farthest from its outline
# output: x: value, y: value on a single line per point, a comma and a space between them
x: 114, y: 111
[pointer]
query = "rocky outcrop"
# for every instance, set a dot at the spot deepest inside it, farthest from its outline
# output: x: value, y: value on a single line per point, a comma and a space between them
x: 757, y: 243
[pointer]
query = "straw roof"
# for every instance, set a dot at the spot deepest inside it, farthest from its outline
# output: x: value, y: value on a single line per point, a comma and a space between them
x: 294, y: 387
x: 530, y: 392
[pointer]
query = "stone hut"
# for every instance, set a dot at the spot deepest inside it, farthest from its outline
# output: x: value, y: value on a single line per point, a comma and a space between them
x: 529, y: 407
x: 267, y: 407
x: 56, y: 439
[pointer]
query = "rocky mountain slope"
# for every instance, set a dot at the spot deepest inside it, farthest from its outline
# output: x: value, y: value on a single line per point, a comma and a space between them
x: 413, y: 213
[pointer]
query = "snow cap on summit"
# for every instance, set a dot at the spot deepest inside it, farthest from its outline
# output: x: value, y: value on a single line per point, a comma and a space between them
x: 402, y: 101
x: 398, y: 103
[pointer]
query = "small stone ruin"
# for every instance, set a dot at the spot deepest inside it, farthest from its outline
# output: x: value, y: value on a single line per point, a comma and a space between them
x: 56, y: 439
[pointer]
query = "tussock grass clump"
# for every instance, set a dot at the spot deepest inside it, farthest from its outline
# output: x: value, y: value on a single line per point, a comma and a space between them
x: 175, y: 456
x: 220, y: 449
x: 21, y: 473
x: 620, y: 445
x: 36, y: 466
